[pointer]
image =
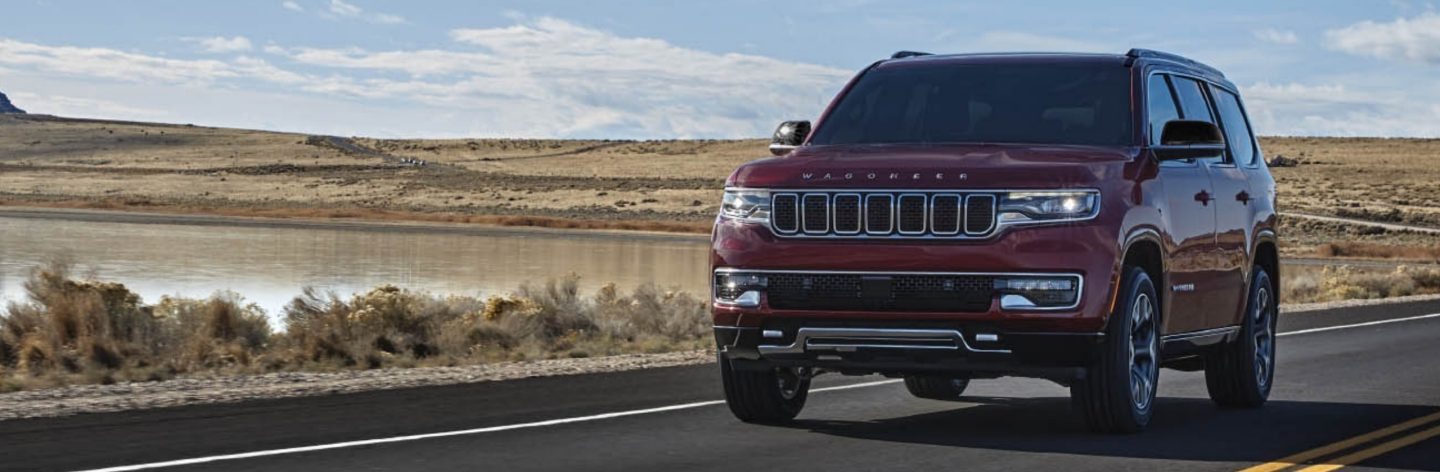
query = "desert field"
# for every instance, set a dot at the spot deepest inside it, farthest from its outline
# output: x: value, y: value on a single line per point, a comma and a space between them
x: 640, y: 185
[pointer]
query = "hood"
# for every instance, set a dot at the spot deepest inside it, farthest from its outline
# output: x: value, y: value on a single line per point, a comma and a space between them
x: 893, y: 166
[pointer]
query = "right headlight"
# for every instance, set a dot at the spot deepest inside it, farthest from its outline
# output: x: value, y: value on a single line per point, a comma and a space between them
x: 750, y: 206
x: 1049, y: 206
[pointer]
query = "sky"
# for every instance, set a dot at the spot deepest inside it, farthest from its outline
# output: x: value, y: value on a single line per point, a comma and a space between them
x: 669, y: 69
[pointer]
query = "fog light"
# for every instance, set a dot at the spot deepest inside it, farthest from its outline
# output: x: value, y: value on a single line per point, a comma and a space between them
x: 1022, y: 293
x: 739, y: 289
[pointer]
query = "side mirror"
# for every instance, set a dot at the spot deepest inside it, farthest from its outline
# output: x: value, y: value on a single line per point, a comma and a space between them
x: 788, y: 136
x: 1189, y: 139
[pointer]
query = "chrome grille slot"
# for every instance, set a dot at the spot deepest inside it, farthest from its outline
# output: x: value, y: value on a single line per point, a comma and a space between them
x: 895, y: 214
x: 815, y: 213
x: 912, y: 214
x: 879, y: 213
x: 785, y: 213
x: 979, y: 214
x: 945, y: 214
x: 847, y: 213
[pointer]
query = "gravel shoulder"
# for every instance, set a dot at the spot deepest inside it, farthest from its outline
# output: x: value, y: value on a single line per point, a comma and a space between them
x: 184, y: 391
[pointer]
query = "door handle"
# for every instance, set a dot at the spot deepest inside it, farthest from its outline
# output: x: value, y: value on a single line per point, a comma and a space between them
x: 1243, y: 197
x: 1203, y: 197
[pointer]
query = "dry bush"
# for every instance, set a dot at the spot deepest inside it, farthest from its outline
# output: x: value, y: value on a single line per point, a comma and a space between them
x: 94, y: 332
x: 222, y: 331
x: 97, y: 332
x: 1347, y: 283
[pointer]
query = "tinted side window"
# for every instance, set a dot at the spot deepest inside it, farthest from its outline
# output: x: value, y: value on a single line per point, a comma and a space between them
x: 1192, y: 100
x: 1162, y: 105
x: 1237, y: 129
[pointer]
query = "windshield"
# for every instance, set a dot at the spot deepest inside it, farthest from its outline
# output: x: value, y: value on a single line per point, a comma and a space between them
x: 1032, y: 103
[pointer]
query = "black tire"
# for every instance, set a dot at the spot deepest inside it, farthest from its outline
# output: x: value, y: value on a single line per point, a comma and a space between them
x: 1111, y: 397
x: 770, y: 396
x: 1240, y: 374
x: 934, y: 387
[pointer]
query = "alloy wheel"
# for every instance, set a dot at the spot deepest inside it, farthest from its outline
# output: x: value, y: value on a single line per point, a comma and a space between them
x: 1144, y: 367
x: 1264, y: 337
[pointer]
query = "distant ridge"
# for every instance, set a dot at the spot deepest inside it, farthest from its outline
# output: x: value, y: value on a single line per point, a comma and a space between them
x: 6, y: 106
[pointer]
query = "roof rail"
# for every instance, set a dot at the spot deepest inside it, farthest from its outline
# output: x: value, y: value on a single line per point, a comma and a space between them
x: 1137, y: 53
x: 905, y: 54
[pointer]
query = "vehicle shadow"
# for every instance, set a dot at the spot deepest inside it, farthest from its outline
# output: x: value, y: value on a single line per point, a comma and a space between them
x: 1183, y: 429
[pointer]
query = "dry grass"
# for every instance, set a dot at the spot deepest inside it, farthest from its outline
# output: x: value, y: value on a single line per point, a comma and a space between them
x: 1386, y: 180
x: 1334, y: 283
x: 73, y: 331
x: 657, y: 185
x: 1379, y: 251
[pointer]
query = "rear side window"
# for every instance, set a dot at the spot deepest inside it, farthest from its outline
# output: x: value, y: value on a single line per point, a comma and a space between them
x: 1192, y: 99
x: 1237, y: 128
x: 1162, y: 106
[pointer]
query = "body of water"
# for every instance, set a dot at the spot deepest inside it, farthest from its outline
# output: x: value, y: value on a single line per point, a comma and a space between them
x: 270, y: 265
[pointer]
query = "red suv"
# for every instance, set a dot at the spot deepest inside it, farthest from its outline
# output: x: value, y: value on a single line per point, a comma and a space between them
x: 1082, y: 218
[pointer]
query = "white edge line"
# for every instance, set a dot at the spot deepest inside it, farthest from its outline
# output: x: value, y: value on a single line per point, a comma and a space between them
x: 1359, y: 325
x: 463, y: 432
x: 582, y: 419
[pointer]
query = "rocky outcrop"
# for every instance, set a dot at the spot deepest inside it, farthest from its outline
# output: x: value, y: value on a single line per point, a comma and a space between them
x: 6, y: 106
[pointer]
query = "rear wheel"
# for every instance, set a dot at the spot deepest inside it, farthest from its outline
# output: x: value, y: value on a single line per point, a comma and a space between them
x: 766, y: 396
x: 1117, y: 394
x: 1239, y: 374
x: 936, y: 387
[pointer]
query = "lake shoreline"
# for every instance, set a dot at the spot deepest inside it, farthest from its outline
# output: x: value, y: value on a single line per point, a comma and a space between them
x: 348, y: 224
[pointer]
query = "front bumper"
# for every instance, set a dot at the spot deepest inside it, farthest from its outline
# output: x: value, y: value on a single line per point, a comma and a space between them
x: 1086, y: 250
x: 934, y: 349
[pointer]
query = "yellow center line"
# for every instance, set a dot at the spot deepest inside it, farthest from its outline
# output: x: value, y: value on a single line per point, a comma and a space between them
x: 1373, y: 451
x: 1335, y: 447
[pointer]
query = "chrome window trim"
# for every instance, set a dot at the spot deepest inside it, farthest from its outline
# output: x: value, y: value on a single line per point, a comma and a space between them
x: 773, y: 206
x: 889, y: 221
x: 959, y: 214
x: 1079, y: 279
x: 860, y: 210
x: 924, y: 214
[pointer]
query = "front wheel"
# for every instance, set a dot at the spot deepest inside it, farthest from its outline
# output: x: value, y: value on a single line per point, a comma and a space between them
x: 1239, y: 374
x: 1117, y: 393
x: 768, y: 396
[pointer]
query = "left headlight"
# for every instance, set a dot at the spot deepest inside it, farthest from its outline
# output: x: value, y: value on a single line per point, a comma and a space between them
x: 1048, y: 206
x: 750, y: 206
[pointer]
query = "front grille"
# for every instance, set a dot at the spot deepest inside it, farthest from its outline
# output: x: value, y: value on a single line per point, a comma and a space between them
x: 883, y: 214
x: 900, y: 292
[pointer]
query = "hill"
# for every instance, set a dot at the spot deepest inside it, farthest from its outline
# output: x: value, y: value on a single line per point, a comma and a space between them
x: 670, y: 185
x: 6, y: 106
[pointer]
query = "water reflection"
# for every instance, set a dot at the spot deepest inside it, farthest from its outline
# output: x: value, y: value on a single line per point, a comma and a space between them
x: 270, y: 265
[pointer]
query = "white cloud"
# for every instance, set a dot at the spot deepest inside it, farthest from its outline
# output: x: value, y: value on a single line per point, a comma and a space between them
x: 557, y: 78
x: 84, y: 107
x: 111, y: 64
x: 1294, y: 109
x: 540, y: 78
x: 1272, y: 35
x: 342, y: 9
x: 221, y: 44
x: 292, y: 6
x: 1412, y: 39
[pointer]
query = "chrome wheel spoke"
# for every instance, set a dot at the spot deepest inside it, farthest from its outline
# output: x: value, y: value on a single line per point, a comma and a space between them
x: 1143, y: 365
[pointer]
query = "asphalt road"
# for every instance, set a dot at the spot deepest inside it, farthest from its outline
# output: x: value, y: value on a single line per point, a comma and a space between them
x: 1332, y: 385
